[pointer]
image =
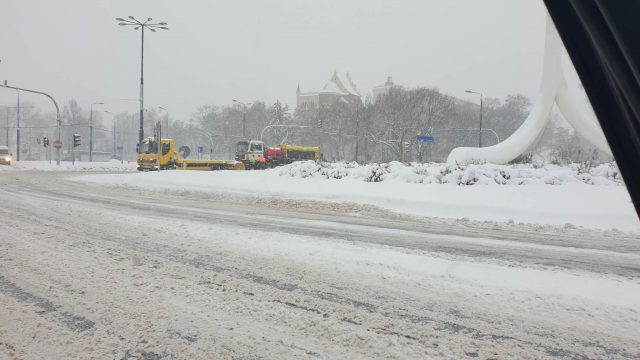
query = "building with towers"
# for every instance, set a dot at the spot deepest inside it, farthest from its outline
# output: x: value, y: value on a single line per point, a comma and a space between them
x: 336, y: 90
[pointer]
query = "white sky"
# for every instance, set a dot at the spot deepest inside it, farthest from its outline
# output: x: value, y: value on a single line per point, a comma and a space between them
x: 216, y: 51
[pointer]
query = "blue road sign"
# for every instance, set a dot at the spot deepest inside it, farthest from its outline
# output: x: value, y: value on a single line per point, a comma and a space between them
x: 424, y: 138
x: 200, y: 149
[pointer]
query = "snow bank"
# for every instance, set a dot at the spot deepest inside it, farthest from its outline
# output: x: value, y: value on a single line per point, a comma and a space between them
x: 424, y: 190
x: 113, y: 165
x: 435, y: 173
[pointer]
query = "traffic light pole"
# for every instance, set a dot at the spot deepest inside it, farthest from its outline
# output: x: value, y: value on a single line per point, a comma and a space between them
x: 58, y: 119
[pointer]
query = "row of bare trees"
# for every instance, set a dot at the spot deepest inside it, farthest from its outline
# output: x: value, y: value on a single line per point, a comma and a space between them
x: 381, y: 130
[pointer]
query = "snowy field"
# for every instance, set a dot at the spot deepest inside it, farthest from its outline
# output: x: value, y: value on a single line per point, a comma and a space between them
x: 113, y: 165
x: 562, y: 196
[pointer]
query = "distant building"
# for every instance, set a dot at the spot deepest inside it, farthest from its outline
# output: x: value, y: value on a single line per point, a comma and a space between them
x: 382, y: 90
x: 335, y: 91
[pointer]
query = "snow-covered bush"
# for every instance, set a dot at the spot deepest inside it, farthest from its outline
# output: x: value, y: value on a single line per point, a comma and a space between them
x: 473, y: 174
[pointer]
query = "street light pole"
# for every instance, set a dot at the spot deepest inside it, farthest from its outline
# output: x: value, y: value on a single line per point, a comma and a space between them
x: 114, y: 131
x: 91, y: 131
x: 131, y: 21
x: 480, y: 128
x: 7, y: 139
x: 18, y: 128
x: 244, y: 117
x: 166, y: 114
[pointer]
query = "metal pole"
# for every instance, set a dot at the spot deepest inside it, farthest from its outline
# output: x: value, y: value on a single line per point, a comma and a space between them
x: 357, y: 126
x: 480, y: 132
x: 18, y: 129
x: 58, y: 119
x: 244, y: 122
x: 114, y: 136
x: 141, y: 131
x: 7, y: 127
x: 91, y: 134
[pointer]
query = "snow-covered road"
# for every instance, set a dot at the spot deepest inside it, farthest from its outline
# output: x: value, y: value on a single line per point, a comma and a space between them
x: 103, y: 272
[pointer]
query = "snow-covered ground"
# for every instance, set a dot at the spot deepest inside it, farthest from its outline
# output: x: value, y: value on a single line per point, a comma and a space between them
x: 113, y: 165
x: 118, y: 273
x: 564, y: 196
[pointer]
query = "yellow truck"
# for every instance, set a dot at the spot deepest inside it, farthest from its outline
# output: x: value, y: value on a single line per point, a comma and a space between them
x: 170, y: 159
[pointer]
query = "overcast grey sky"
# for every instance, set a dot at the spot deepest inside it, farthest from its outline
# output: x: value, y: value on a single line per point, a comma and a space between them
x: 260, y: 50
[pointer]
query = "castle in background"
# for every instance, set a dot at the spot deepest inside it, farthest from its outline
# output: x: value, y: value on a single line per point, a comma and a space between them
x: 336, y: 90
x: 382, y: 90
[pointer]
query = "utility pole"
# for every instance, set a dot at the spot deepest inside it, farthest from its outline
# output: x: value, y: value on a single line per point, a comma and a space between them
x: 7, y: 108
x: 166, y: 114
x: 91, y: 130
x: 244, y: 117
x: 114, y: 136
x: 18, y: 128
x: 480, y: 128
x: 7, y: 136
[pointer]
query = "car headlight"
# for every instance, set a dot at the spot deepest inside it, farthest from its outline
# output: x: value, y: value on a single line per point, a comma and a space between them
x: 7, y: 158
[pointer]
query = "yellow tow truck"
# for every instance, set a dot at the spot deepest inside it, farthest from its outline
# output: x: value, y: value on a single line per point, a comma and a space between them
x: 170, y: 159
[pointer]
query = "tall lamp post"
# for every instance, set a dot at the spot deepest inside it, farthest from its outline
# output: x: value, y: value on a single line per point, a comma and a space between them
x: 479, y: 132
x: 18, y: 128
x: 114, y: 131
x: 91, y: 130
x: 131, y: 21
x: 166, y: 113
x: 7, y: 119
x: 244, y: 116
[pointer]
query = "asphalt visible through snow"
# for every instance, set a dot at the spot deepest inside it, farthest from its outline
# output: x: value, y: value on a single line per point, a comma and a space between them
x: 104, y: 272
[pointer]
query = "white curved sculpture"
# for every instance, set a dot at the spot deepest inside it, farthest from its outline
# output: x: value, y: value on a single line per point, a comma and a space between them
x: 553, y: 89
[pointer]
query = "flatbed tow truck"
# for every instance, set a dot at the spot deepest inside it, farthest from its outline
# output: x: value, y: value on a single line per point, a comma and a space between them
x: 170, y: 159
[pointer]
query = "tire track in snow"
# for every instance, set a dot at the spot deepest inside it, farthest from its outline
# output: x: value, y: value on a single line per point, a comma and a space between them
x: 46, y: 307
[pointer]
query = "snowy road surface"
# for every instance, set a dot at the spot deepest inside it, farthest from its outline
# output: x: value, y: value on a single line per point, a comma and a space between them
x: 93, y: 272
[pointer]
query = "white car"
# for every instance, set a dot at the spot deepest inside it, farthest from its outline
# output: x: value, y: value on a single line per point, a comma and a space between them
x: 5, y: 156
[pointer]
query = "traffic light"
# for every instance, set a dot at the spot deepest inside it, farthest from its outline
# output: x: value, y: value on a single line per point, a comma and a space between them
x: 76, y: 140
x: 45, y: 141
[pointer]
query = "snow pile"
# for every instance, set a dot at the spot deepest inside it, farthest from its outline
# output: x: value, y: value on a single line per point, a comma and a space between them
x: 113, y: 165
x: 416, y: 190
x: 474, y: 174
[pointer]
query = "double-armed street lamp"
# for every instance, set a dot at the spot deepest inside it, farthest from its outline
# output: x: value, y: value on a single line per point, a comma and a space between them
x: 244, y: 116
x: 131, y: 21
x: 480, y: 129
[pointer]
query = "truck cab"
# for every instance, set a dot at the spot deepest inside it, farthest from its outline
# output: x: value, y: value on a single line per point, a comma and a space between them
x: 5, y: 156
x: 247, y: 150
x: 148, y: 154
